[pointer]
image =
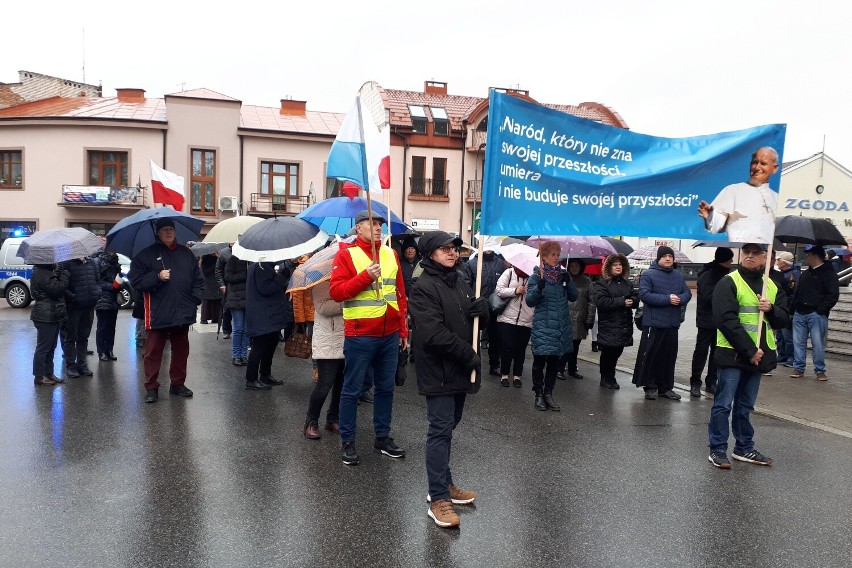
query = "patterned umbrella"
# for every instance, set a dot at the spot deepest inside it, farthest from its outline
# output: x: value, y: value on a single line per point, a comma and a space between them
x: 650, y: 253
x: 577, y: 246
x: 316, y: 269
x: 523, y: 257
x: 58, y: 245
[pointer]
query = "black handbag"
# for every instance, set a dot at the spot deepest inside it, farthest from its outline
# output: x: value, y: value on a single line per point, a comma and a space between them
x: 637, y: 317
x: 497, y: 304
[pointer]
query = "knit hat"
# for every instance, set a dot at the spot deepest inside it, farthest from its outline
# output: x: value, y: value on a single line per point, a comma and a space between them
x: 785, y: 257
x: 664, y: 250
x: 408, y: 243
x: 723, y: 254
x: 162, y: 223
x: 435, y: 239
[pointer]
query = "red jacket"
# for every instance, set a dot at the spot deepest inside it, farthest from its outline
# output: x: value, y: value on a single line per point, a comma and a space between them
x: 346, y: 283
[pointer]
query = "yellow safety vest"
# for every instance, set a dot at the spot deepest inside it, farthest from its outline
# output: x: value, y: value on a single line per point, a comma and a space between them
x: 366, y: 305
x: 749, y: 311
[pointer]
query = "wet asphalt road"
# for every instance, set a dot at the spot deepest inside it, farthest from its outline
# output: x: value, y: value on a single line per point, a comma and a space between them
x: 91, y: 476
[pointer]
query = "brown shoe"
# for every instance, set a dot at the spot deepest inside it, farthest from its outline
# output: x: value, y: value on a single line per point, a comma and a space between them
x: 797, y: 374
x: 822, y: 377
x: 43, y: 381
x: 312, y: 432
x: 443, y: 514
x: 333, y: 427
x: 461, y: 496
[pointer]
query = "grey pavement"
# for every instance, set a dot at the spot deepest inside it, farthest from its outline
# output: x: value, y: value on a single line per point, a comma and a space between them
x: 91, y: 476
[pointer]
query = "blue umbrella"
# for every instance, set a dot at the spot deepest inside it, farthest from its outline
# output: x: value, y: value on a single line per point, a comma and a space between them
x: 336, y: 215
x: 134, y: 233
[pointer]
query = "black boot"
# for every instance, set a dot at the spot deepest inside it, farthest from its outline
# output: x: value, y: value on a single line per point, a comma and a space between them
x: 539, y: 402
x: 594, y: 346
x: 550, y: 403
x: 613, y: 384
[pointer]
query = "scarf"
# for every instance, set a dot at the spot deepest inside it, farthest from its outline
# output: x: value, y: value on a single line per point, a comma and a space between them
x: 551, y: 274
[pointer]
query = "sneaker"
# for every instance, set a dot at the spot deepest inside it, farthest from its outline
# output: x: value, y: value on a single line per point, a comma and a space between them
x: 457, y: 496
x: 349, y: 455
x: 443, y: 514
x: 561, y: 375
x: 180, y: 390
x: 85, y: 371
x: 226, y: 336
x: 796, y: 374
x: 787, y: 364
x: 151, y: 395
x: 720, y: 460
x: 670, y: 394
x: 767, y: 374
x: 695, y: 391
x: 387, y: 447
x: 516, y: 382
x: 504, y: 381
x: 651, y: 394
x: 822, y: 377
x: 754, y: 457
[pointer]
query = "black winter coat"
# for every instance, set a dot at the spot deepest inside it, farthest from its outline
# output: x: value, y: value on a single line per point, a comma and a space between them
x: 818, y: 290
x: 726, y: 316
x: 266, y: 302
x: 235, y: 276
x: 167, y: 303
x: 108, y: 269
x: 708, y: 277
x: 47, y: 287
x: 208, y: 269
x: 492, y: 269
x: 615, y: 320
x: 224, y: 255
x: 439, y: 307
x: 83, y: 289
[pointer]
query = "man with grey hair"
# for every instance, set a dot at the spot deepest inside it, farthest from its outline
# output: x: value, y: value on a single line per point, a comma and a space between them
x: 746, y: 210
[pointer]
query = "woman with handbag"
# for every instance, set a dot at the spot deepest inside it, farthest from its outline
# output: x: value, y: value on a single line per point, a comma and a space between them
x: 327, y: 347
x: 514, y: 324
x: 615, y: 299
x: 266, y: 315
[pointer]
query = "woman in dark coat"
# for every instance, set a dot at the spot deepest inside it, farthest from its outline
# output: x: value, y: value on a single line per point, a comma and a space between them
x: 110, y: 282
x: 582, y: 312
x: 235, y: 275
x: 615, y: 300
x: 442, y: 308
x: 47, y: 286
x: 266, y: 316
x: 211, y: 301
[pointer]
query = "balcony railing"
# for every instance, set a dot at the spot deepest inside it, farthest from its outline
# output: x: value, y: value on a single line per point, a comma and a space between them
x: 103, y: 195
x: 278, y: 204
x: 429, y: 187
x: 474, y: 190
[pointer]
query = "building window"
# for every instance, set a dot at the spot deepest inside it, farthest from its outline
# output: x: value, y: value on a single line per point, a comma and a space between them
x: 418, y: 175
x: 107, y: 168
x: 203, y: 182
x: 418, y: 118
x: 281, y: 181
x: 100, y: 229
x: 439, y: 174
x: 441, y: 122
x: 11, y: 169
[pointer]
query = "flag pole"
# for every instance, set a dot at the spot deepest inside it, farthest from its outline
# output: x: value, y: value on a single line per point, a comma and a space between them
x: 766, y: 270
x: 366, y: 177
x: 477, y: 289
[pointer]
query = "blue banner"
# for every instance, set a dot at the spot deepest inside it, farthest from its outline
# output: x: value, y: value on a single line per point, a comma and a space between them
x: 550, y: 173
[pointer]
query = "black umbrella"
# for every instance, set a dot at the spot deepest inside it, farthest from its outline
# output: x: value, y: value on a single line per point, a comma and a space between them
x: 279, y: 238
x: 620, y: 246
x: 202, y: 249
x: 777, y: 245
x: 136, y: 232
x: 798, y: 229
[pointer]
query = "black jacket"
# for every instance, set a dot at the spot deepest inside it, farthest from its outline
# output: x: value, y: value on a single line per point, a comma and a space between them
x: 223, y: 257
x: 108, y: 269
x: 235, y: 276
x: 83, y: 289
x: 439, y: 306
x: 818, y: 290
x: 211, y: 285
x: 615, y: 320
x: 492, y: 267
x: 708, y: 277
x: 167, y: 303
x: 726, y: 316
x: 266, y: 302
x: 47, y: 287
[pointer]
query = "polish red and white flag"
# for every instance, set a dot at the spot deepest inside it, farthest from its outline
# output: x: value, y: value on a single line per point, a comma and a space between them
x: 167, y: 187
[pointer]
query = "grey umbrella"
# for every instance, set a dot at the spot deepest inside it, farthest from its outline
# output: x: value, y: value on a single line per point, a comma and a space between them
x: 59, y: 244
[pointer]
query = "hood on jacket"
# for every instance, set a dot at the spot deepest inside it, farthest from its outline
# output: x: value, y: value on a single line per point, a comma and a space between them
x: 610, y: 260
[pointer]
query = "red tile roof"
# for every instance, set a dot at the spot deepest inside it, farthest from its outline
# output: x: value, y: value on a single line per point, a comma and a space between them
x: 266, y: 118
x: 85, y: 107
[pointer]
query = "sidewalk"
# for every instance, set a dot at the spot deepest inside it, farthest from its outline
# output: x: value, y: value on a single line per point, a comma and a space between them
x: 823, y: 405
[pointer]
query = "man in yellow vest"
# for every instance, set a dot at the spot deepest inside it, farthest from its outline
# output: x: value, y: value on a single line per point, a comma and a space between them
x: 368, y: 281
x: 738, y: 299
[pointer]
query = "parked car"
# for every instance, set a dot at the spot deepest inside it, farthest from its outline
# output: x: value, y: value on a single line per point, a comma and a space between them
x: 15, y: 274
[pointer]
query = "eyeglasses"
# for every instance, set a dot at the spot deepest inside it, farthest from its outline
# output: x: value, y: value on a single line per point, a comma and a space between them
x: 447, y: 249
x: 752, y: 252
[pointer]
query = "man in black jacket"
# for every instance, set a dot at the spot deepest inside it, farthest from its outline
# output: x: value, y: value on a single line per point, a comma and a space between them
x: 81, y: 295
x: 817, y: 293
x: 737, y: 302
x: 493, y: 267
x: 705, y: 341
x: 442, y: 307
x: 170, y: 280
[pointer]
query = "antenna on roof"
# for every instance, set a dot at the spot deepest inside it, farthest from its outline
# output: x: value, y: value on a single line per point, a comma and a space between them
x: 84, y: 54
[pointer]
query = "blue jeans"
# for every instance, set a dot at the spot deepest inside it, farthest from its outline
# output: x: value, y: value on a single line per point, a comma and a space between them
x: 816, y: 326
x: 361, y: 353
x: 735, y: 388
x: 239, y: 339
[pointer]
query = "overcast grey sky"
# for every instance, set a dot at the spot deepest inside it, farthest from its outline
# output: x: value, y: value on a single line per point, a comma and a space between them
x: 670, y: 68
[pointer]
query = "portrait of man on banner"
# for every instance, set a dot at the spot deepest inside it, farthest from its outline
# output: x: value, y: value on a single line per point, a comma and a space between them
x: 745, y: 211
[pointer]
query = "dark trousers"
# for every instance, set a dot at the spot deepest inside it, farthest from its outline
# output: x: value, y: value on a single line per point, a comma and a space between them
x: 47, y: 335
x: 329, y: 378
x: 544, y: 372
x: 227, y: 327
x: 705, y: 342
x: 105, y: 332
x: 609, y: 359
x: 494, y: 342
x: 514, y: 341
x: 260, y: 357
x: 569, y: 360
x: 178, y: 338
x: 443, y: 412
x: 78, y: 327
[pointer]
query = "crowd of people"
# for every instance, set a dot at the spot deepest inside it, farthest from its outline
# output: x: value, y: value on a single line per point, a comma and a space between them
x: 377, y: 303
